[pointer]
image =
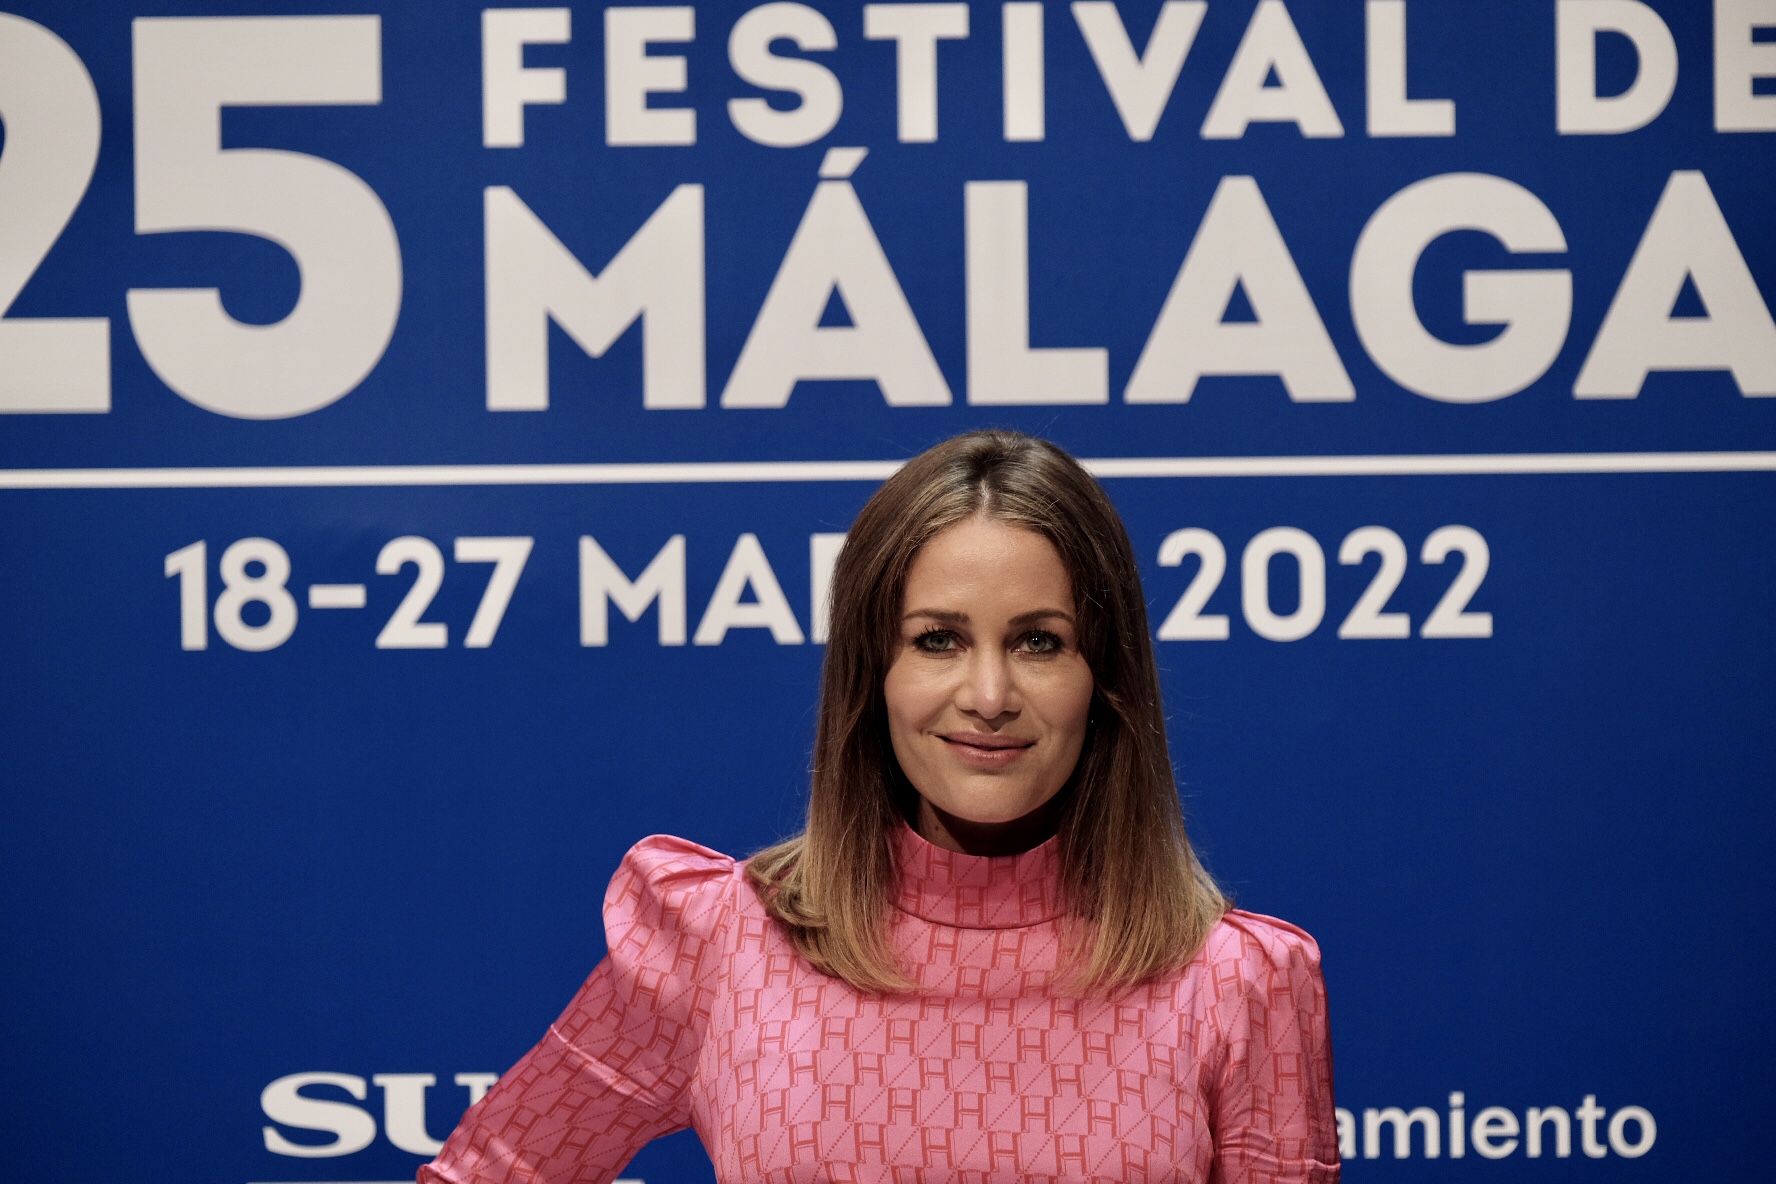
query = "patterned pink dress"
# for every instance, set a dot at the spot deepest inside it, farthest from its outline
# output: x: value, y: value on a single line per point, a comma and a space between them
x: 703, y: 1015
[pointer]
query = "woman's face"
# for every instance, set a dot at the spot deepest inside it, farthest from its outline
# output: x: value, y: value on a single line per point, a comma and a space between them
x: 987, y: 692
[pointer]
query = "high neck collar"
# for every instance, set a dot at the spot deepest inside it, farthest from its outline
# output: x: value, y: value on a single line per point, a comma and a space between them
x: 977, y: 891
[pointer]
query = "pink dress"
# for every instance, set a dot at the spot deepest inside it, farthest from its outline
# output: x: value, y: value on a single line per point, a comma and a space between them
x: 703, y: 1015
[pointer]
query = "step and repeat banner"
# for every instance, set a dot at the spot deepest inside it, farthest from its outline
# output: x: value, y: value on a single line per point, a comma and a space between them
x: 426, y: 431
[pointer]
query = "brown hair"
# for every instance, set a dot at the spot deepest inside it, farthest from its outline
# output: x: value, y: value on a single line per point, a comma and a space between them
x: 1138, y: 901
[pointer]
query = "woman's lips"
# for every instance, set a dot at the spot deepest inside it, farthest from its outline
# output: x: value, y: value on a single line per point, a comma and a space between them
x: 986, y: 752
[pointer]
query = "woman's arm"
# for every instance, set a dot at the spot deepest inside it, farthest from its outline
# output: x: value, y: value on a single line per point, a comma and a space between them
x: 1273, y: 1116
x: 616, y: 1069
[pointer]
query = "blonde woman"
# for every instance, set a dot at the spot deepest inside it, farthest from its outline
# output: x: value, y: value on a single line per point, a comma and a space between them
x: 992, y: 954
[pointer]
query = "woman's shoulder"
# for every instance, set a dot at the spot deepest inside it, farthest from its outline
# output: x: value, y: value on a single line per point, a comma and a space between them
x: 670, y: 859
x: 1256, y: 949
x: 668, y: 882
x: 1242, y: 929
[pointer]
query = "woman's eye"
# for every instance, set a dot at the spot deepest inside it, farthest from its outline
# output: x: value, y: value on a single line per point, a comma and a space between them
x: 935, y: 641
x: 1040, y: 642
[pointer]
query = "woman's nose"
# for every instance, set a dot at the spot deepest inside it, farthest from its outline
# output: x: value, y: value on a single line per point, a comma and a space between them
x: 988, y: 687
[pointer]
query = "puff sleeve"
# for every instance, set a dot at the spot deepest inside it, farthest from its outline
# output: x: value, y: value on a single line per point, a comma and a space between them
x: 615, y: 1070
x: 1272, y: 1098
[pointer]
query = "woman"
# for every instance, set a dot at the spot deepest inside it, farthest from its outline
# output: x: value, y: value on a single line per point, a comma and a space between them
x: 992, y: 955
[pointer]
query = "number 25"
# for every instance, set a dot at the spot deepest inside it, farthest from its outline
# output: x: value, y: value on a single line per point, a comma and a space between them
x: 187, y: 70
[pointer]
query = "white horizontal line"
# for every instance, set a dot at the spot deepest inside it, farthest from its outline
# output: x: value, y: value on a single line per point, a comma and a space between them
x: 731, y: 472
x: 336, y: 596
x: 1436, y: 465
x: 674, y: 473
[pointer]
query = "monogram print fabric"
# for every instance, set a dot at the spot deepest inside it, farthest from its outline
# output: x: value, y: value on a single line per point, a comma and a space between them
x: 703, y: 1015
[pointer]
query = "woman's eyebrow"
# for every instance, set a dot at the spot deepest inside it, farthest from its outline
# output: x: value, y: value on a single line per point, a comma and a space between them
x: 952, y: 617
x: 1040, y: 614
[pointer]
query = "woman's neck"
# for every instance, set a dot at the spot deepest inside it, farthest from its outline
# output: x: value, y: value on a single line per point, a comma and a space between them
x: 988, y: 838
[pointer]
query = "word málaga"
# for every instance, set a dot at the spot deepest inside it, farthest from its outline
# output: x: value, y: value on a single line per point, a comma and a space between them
x: 533, y: 281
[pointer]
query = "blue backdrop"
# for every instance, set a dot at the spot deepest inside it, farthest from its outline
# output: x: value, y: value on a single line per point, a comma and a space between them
x: 1425, y: 348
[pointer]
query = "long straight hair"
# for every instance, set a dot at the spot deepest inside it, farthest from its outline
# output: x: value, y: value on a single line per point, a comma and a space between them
x: 1137, y: 900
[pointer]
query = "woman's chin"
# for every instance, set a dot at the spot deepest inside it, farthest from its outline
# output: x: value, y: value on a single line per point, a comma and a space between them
x: 989, y: 827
